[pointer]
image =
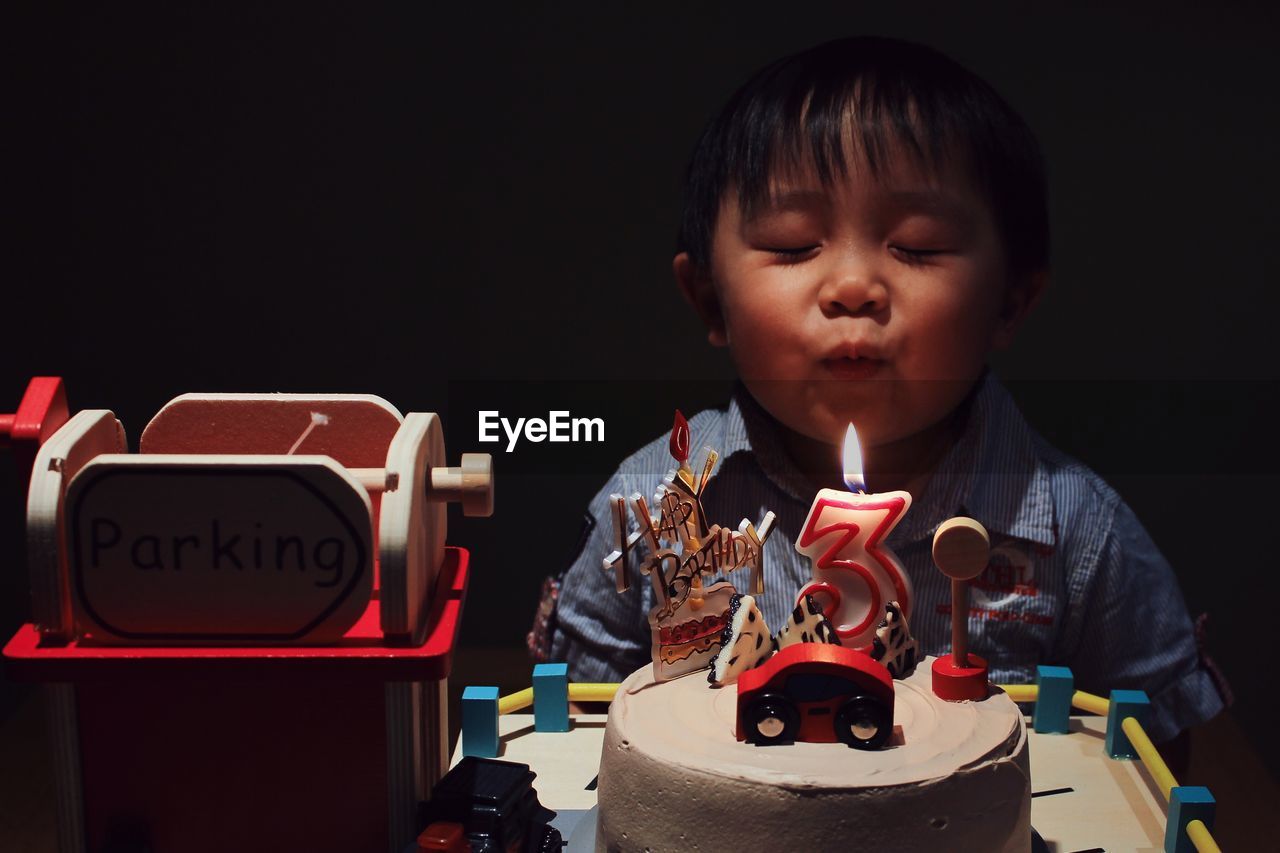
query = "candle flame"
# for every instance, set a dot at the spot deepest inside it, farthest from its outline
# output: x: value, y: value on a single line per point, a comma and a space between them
x: 853, y: 461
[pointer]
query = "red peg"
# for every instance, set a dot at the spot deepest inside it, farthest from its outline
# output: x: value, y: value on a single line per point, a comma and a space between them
x: 960, y: 551
x: 42, y: 411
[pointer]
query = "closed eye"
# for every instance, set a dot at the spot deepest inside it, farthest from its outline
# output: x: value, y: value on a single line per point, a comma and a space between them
x: 916, y: 254
x: 791, y: 254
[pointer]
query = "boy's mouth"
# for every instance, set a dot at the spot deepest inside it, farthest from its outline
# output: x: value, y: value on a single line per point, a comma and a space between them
x: 852, y: 367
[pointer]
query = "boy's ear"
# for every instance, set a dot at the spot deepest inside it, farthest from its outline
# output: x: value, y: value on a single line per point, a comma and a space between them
x: 695, y: 284
x: 1020, y: 297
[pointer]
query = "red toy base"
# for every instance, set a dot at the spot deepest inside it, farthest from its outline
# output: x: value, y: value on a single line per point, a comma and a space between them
x: 959, y: 683
x: 362, y: 655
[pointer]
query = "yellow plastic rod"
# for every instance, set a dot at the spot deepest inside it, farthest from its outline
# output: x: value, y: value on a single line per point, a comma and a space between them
x: 1150, y: 756
x: 588, y: 692
x: 1021, y: 692
x: 517, y: 701
x: 1089, y: 702
x: 1200, y: 837
x: 581, y: 692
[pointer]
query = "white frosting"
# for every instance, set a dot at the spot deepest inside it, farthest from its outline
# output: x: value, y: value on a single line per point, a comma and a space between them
x: 954, y: 777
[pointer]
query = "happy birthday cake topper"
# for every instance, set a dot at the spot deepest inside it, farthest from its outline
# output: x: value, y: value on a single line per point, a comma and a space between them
x: 689, y: 617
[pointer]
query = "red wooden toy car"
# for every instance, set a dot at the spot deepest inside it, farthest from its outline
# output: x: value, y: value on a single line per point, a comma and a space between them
x: 816, y: 693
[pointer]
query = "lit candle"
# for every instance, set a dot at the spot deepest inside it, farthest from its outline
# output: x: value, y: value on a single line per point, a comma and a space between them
x: 854, y: 574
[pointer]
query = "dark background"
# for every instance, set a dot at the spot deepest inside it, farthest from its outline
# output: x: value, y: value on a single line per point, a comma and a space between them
x: 460, y: 209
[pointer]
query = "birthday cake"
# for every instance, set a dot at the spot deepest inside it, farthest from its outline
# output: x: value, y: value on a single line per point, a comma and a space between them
x: 955, y: 776
x: 826, y: 735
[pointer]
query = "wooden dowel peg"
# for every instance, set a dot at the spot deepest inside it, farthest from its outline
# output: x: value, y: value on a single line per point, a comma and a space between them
x: 959, y: 622
x: 470, y: 484
x: 375, y: 479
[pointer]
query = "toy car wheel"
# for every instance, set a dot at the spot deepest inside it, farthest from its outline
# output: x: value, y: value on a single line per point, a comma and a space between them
x: 772, y: 719
x: 863, y: 723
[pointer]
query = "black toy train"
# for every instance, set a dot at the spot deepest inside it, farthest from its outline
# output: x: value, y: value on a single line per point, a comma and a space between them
x: 487, y: 806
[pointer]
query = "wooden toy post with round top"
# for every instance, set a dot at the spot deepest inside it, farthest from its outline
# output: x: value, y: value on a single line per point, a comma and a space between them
x: 960, y: 550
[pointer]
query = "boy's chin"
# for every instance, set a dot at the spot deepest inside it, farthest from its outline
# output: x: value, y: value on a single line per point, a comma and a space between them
x: 821, y: 419
x: 832, y: 427
x: 882, y: 411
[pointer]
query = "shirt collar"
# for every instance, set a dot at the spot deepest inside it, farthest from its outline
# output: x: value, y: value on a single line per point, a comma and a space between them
x: 992, y: 473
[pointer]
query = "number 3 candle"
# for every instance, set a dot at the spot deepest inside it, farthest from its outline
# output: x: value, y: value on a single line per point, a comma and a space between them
x: 854, y: 574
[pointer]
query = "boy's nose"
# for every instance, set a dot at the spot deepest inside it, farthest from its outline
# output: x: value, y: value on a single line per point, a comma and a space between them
x: 856, y: 292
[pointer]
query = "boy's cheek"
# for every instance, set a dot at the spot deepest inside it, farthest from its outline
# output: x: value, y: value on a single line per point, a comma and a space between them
x: 766, y: 354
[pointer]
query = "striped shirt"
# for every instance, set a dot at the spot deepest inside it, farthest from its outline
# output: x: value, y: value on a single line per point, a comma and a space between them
x: 1073, y: 578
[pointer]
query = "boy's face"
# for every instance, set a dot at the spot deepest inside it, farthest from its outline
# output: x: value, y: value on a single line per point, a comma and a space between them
x: 875, y: 300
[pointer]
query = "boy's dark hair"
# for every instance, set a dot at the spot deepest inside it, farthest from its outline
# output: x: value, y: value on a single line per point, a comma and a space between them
x: 798, y: 110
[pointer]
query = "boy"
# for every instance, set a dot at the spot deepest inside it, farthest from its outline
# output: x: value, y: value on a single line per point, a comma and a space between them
x: 864, y: 222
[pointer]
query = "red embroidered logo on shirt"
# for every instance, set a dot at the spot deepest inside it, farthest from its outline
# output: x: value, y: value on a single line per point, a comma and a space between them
x: 1000, y: 592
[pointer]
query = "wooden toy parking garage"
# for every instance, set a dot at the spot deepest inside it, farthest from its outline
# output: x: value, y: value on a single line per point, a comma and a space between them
x: 244, y: 630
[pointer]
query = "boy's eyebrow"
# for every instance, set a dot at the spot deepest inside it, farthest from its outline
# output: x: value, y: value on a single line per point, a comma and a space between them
x: 932, y: 201
x: 924, y: 201
x: 788, y: 200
